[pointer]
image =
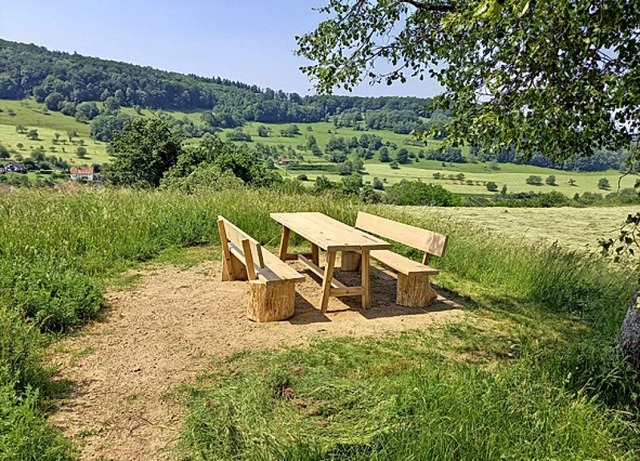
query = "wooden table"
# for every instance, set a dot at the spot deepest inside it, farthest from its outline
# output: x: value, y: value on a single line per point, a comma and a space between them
x: 327, y: 234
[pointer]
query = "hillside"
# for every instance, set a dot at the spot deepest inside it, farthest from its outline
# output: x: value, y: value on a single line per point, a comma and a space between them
x: 63, y: 81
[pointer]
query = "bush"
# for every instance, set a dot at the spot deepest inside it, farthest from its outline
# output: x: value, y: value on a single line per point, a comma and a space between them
x: 551, y: 180
x: 534, y: 180
x: 418, y: 193
x: 603, y: 183
x: 492, y: 186
x: 302, y: 177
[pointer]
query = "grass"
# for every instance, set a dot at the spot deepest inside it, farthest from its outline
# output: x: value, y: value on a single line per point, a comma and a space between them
x: 34, y: 116
x: 572, y: 228
x: 59, y: 249
x: 396, y: 397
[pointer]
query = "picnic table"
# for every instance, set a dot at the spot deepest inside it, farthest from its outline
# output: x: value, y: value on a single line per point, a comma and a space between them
x: 330, y: 235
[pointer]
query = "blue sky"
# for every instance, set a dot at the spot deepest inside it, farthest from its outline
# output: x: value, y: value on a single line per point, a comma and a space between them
x: 248, y: 41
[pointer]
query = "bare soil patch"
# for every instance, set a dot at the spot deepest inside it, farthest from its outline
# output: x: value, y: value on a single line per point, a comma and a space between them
x: 169, y: 328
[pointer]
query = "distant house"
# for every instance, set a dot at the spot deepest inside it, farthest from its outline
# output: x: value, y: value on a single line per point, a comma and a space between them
x: 284, y: 161
x: 81, y: 173
x: 14, y: 167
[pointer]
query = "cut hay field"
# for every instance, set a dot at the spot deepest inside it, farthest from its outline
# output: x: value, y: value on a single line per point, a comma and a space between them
x: 571, y: 228
x: 32, y: 115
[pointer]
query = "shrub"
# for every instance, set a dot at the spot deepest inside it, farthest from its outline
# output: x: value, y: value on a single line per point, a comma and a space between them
x: 302, y: 177
x: 603, y: 183
x: 418, y: 193
x: 492, y: 186
x: 534, y: 180
x: 551, y: 180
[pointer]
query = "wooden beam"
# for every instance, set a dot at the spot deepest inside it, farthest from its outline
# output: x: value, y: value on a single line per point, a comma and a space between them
x: 365, y: 265
x: 227, y: 273
x: 347, y: 291
x: 284, y: 243
x: 326, y: 282
x: 248, y: 257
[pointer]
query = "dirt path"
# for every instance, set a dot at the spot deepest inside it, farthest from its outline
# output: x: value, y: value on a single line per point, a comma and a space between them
x: 165, y: 331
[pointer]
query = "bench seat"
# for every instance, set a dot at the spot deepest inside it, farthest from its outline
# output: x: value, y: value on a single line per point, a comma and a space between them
x: 274, y: 270
x: 413, y: 287
x: 401, y: 263
x: 271, y: 281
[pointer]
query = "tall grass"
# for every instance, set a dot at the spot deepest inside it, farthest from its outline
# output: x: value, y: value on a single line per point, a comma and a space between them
x: 393, y: 398
x: 58, y: 249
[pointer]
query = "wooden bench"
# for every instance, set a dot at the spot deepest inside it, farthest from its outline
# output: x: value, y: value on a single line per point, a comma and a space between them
x: 413, y: 288
x: 271, y: 282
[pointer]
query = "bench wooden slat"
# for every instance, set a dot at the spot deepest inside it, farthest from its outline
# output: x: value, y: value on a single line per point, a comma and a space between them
x: 401, y: 263
x: 267, y: 267
x: 276, y: 269
x: 422, y: 239
x: 237, y: 235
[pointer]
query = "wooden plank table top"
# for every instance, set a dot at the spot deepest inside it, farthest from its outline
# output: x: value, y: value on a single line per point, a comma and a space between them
x: 332, y: 236
x: 329, y: 234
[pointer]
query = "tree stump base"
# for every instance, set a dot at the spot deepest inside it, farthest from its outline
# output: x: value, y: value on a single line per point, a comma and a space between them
x: 271, y: 301
x: 414, y: 290
x: 349, y: 261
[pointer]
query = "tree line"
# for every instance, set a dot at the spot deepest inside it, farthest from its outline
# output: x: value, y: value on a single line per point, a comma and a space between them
x: 72, y: 83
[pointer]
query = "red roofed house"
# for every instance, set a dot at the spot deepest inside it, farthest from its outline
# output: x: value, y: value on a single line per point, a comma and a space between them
x: 82, y: 173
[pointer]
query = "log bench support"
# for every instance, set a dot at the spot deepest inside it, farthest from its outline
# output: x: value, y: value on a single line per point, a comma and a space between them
x: 413, y: 287
x: 271, y: 301
x: 272, y: 283
x: 414, y: 290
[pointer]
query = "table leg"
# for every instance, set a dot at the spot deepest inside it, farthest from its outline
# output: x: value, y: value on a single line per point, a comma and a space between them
x: 284, y: 243
x: 315, y: 254
x: 326, y: 282
x: 364, y: 267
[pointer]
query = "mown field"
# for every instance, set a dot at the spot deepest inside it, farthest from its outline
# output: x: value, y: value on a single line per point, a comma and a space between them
x: 546, y: 384
x: 572, y: 228
x: 48, y: 123
x: 32, y: 115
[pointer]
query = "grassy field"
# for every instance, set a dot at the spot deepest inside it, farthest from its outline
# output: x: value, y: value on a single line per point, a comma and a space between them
x: 32, y: 115
x: 546, y: 384
x: 573, y: 228
x: 511, y: 175
x: 48, y: 123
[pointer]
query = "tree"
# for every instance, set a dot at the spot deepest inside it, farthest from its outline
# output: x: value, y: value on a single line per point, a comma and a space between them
x: 71, y: 134
x: 144, y: 151
x: 603, y: 183
x: 551, y: 180
x: 492, y: 186
x: 81, y: 152
x: 4, y: 152
x: 263, y: 131
x: 377, y: 184
x: 32, y: 134
x: 557, y: 78
x: 534, y: 180
x: 402, y: 156
x: 497, y: 61
x: 383, y: 156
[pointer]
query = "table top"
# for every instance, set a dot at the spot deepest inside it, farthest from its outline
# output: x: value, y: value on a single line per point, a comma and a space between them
x: 328, y: 233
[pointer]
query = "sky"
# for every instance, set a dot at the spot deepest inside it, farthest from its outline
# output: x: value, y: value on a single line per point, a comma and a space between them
x: 248, y: 41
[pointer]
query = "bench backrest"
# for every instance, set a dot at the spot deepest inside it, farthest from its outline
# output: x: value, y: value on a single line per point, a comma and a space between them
x: 431, y: 243
x: 234, y: 237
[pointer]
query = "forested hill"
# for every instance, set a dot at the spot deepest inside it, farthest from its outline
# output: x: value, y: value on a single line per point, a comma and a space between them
x: 63, y: 80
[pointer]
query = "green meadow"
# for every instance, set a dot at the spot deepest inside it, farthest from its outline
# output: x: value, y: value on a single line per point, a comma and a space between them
x: 32, y: 115
x: 531, y: 373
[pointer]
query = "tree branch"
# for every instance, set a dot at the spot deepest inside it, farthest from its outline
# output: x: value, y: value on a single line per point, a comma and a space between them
x: 440, y: 8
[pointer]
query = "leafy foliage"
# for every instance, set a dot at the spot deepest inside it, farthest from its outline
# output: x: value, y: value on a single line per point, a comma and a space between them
x: 143, y: 151
x: 559, y: 78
